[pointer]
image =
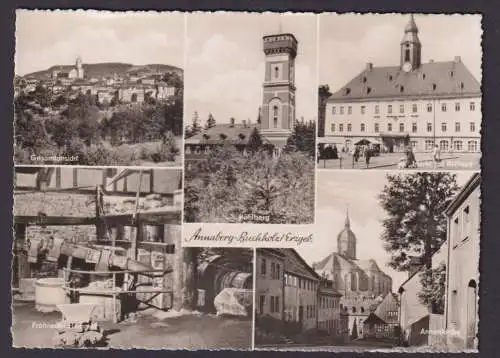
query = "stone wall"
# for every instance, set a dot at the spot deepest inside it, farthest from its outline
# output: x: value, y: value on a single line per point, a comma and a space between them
x: 54, y: 204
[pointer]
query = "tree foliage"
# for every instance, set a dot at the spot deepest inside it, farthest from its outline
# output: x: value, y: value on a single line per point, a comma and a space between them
x: 433, y: 288
x: 229, y: 184
x: 415, y: 223
x: 210, y: 122
x: 303, y: 138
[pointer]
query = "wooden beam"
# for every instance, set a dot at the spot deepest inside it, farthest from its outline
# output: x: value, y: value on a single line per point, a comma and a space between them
x: 159, y: 218
x: 54, y: 220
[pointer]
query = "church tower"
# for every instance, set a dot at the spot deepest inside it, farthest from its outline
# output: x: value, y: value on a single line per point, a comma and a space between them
x: 79, y: 67
x: 346, y: 240
x: 278, y: 105
x: 411, y: 47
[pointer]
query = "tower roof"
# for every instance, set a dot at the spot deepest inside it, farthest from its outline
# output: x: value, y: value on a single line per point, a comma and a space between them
x: 411, y: 32
x: 280, y: 43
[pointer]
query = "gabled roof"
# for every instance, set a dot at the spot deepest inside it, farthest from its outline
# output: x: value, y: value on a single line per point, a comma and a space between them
x: 388, y: 304
x: 296, y: 265
x: 467, y: 189
x: 432, y: 79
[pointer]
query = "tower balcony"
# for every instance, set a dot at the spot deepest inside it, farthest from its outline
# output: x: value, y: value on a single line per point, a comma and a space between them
x: 280, y: 43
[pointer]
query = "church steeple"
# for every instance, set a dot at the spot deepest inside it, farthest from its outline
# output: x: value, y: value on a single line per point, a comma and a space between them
x: 411, y: 47
x: 346, y: 240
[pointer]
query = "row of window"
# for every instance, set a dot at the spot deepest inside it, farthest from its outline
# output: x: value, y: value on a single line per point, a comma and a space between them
x: 275, y: 269
x: 328, y: 302
x: 414, y: 127
x: 444, y: 145
x: 274, y: 302
x: 303, y: 283
x: 462, y: 226
x: 331, y: 324
x: 402, y: 107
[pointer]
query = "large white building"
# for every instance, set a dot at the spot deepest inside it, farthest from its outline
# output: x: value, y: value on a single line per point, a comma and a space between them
x: 413, y: 103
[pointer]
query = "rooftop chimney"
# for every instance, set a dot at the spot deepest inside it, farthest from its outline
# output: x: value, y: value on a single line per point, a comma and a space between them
x: 431, y: 61
x: 458, y: 59
x: 369, y: 66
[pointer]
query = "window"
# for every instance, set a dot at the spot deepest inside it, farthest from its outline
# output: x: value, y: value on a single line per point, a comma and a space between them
x: 272, y: 304
x: 273, y: 270
x: 407, y: 55
x: 429, y: 127
x: 349, y: 127
x: 363, y: 109
x: 389, y: 127
x: 472, y: 106
x: 389, y: 108
x: 457, y: 126
x: 262, y: 303
x: 414, y: 108
x: 443, y: 107
x: 377, y: 109
x: 375, y: 128
x: 263, y: 266
x: 457, y: 145
x: 353, y: 309
x: 414, y: 127
x: 466, y: 222
x: 341, y: 109
x: 362, y: 127
x: 457, y: 107
x: 472, y: 126
x: 443, y: 127
x: 349, y: 110
x: 444, y: 145
x: 275, y: 116
x: 472, y: 146
x: 277, y: 272
x: 401, y: 108
x: 276, y: 72
x: 277, y: 304
x: 429, y: 144
x: 341, y: 127
x: 429, y: 107
x: 334, y: 110
x: 401, y: 127
x: 333, y: 127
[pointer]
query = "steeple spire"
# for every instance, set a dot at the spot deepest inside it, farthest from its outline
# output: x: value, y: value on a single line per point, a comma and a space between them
x: 411, y: 26
x: 410, y: 47
x: 347, y: 221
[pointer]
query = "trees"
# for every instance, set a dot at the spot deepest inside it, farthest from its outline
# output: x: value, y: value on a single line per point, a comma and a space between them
x: 195, y: 126
x: 433, y: 288
x: 416, y: 225
x: 255, y: 141
x: 210, y: 122
x: 303, y: 139
x: 354, y: 333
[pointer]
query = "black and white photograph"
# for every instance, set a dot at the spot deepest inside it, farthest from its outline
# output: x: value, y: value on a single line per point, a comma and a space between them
x: 99, y: 88
x: 399, y: 91
x: 250, y: 109
x: 98, y: 262
x: 394, y: 267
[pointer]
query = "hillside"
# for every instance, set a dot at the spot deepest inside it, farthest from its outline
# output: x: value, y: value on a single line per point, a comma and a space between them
x: 107, y: 69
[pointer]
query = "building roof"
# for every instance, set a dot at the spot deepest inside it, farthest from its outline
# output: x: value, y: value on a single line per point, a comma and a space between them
x: 432, y: 79
x: 296, y: 265
x: 467, y: 189
x: 237, y: 134
x: 389, y: 304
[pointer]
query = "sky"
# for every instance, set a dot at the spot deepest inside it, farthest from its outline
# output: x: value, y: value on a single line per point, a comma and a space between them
x: 339, y: 191
x: 225, y: 64
x: 349, y: 41
x: 47, y: 38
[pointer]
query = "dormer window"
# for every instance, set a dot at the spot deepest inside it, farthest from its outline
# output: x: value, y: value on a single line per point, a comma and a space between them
x: 390, y: 77
x: 241, y: 136
x: 401, y: 88
x: 461, y: 85
x: 451, y: 74
x: 423, y: 76
x: 347, y: 91
x: 434, y: 86
x: 364, y: 79
x: 223, y: 136
x: 368, y: 90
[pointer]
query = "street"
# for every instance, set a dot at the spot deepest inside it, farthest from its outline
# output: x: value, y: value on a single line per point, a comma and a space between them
x: 456, y: 161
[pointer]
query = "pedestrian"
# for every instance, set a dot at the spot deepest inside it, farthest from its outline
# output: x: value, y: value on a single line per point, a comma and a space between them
x: 355, y: 156
x: 368, y: 154
x: 436, y: 156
